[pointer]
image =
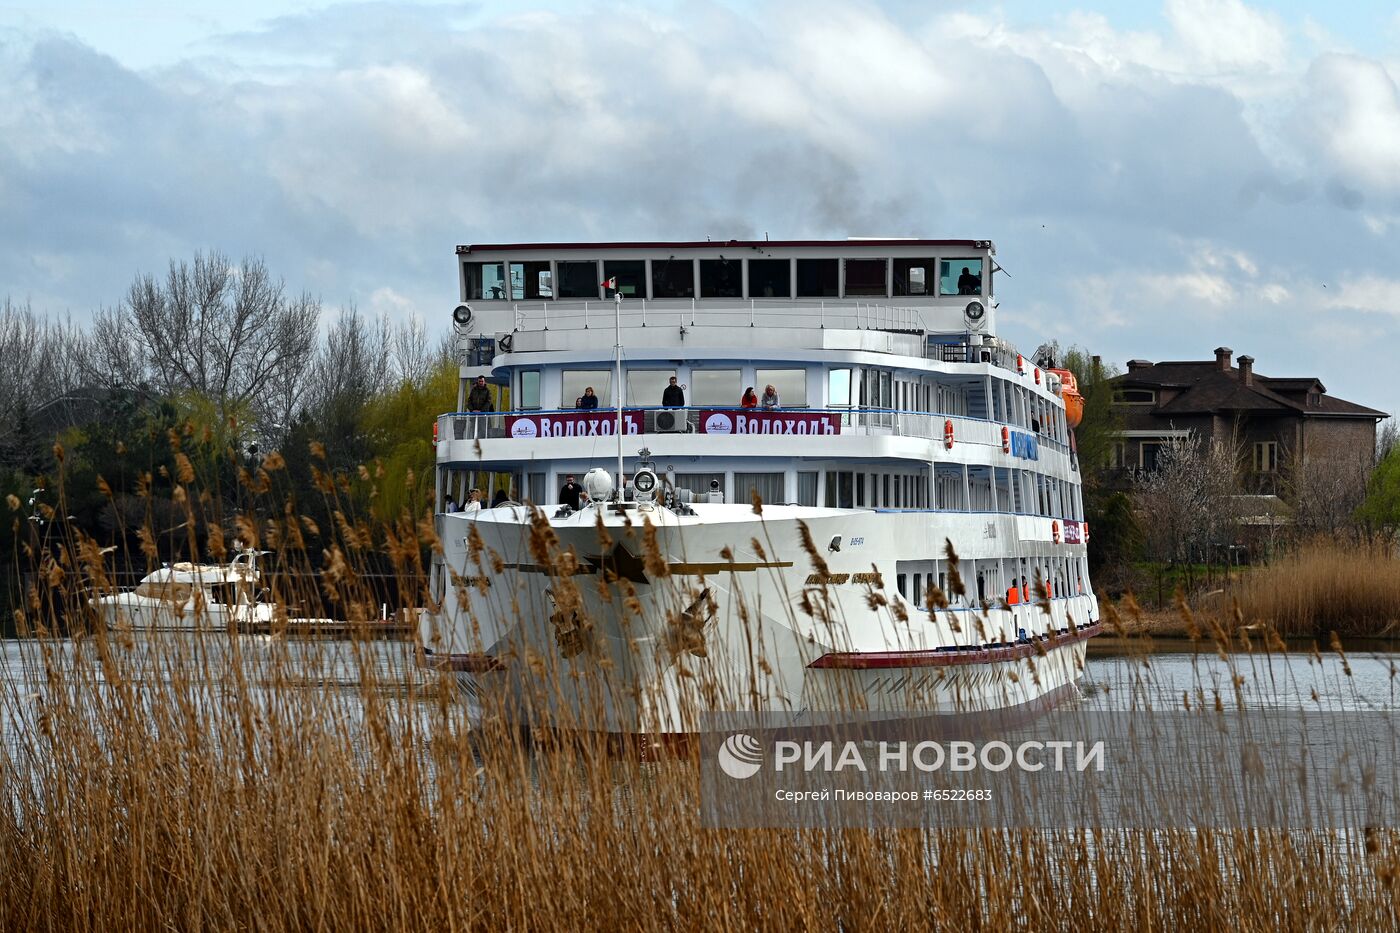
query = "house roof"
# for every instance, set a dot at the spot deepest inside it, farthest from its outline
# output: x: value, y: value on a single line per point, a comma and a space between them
x: 1210, y: 389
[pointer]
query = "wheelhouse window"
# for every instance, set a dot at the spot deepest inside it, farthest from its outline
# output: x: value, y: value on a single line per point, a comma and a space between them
x: 866, y: 277
x: 672, y: 278
x: 790, y: 383
x: 960, y: 277
x: 716, y: 387
x: 914, y: 276
x: 721, y: 278
x: 817, y: 278
x: 576, y: 381
x: 578, y: 279
x: 530, y: 388
x: 631, y: 275
x: 770, y: 278
x: 485, y: 281
x: 530, y: 280
x: 645, y: 386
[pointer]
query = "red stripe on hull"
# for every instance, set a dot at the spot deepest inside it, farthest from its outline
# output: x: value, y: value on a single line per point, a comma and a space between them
x: 472, y: 663
x: 875, y: 660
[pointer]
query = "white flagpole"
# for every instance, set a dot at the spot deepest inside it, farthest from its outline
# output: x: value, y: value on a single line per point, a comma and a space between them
x: 617, y: 302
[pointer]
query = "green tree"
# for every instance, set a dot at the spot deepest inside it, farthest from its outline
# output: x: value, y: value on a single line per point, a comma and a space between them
x: 1382, y: 506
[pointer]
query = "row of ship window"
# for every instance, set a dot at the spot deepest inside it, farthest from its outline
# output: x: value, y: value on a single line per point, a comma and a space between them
x: 873, y: 388
x: 981, y: 490
x: 990, y: 581
x: 722, y: 278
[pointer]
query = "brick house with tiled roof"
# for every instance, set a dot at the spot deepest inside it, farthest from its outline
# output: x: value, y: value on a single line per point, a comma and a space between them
x: 1277, y: 422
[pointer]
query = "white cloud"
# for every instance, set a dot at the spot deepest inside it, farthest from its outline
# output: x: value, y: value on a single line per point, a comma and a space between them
x: 1365, y: 293
x: 1227, y: 34
x: 1352, y: 116
x: 1133, y: 178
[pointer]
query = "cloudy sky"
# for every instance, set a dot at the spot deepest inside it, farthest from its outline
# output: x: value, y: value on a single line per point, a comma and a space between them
x: 1159, y: 180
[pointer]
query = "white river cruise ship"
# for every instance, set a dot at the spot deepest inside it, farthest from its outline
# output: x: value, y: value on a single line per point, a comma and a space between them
x: 837, y: 487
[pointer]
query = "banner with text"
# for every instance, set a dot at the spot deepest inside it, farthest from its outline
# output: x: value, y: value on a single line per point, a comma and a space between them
x: 769, y: 422
x: 593, y: 423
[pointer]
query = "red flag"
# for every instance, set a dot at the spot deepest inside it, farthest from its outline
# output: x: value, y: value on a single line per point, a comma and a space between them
x: 611, y: 283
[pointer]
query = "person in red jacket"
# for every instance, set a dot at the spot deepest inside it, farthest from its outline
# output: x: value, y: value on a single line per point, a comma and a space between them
x: 750, y: 399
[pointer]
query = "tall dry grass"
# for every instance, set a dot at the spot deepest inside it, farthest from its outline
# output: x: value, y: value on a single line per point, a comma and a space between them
x: 1319, y: 588
x: 220, y: 781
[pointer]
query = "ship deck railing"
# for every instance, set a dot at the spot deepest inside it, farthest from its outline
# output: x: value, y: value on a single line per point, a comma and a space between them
x: 463, y: 425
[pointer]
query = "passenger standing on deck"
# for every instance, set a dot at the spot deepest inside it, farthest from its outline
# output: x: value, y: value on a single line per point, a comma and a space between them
x: 770, y: 398
x: 571, y: 493
x: 479, y: 402
x: 588, y: 400
x: 473, y: 501
x: 479, y: 399
x: 673, y: 396
x: 449, y: 504
x: 750, y: 399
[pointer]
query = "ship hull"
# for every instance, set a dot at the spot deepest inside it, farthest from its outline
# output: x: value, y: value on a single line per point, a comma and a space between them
x: 669, y: 619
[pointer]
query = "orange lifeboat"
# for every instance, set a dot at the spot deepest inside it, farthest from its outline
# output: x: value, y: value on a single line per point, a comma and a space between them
x: 1069, y: 391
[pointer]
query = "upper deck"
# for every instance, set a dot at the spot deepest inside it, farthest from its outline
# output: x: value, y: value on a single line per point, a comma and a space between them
x: 704, y: 291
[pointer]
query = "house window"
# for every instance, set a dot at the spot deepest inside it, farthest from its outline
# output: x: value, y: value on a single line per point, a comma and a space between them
x: 913, y: 276
x: 672, y: 278
x: 1135, y: 397
x: 865, y: 277
x: 721, y: 278
x: 1266, y: 457
x: 960, y: 277
x: 816, y: 278
x: 1150, y: 451
x: 1118, y: 456
x: 578, y: 279
x: 485, y: 280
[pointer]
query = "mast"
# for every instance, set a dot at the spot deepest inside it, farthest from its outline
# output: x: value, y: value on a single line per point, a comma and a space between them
x: 617, y: 321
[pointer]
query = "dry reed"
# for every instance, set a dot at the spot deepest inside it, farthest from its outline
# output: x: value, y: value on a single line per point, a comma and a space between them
x: 217, y: 781
x: 1325, y: 587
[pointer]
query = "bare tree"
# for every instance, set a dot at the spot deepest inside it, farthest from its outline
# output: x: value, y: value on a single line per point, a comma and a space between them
x: 1327, y: 494
x: 41, y: 377
x: 1190, y: 501
x: 412, y: 354
x: 226, y: 332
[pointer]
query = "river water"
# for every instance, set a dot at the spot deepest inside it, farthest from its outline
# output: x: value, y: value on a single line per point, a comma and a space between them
x: 1166, y: 678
